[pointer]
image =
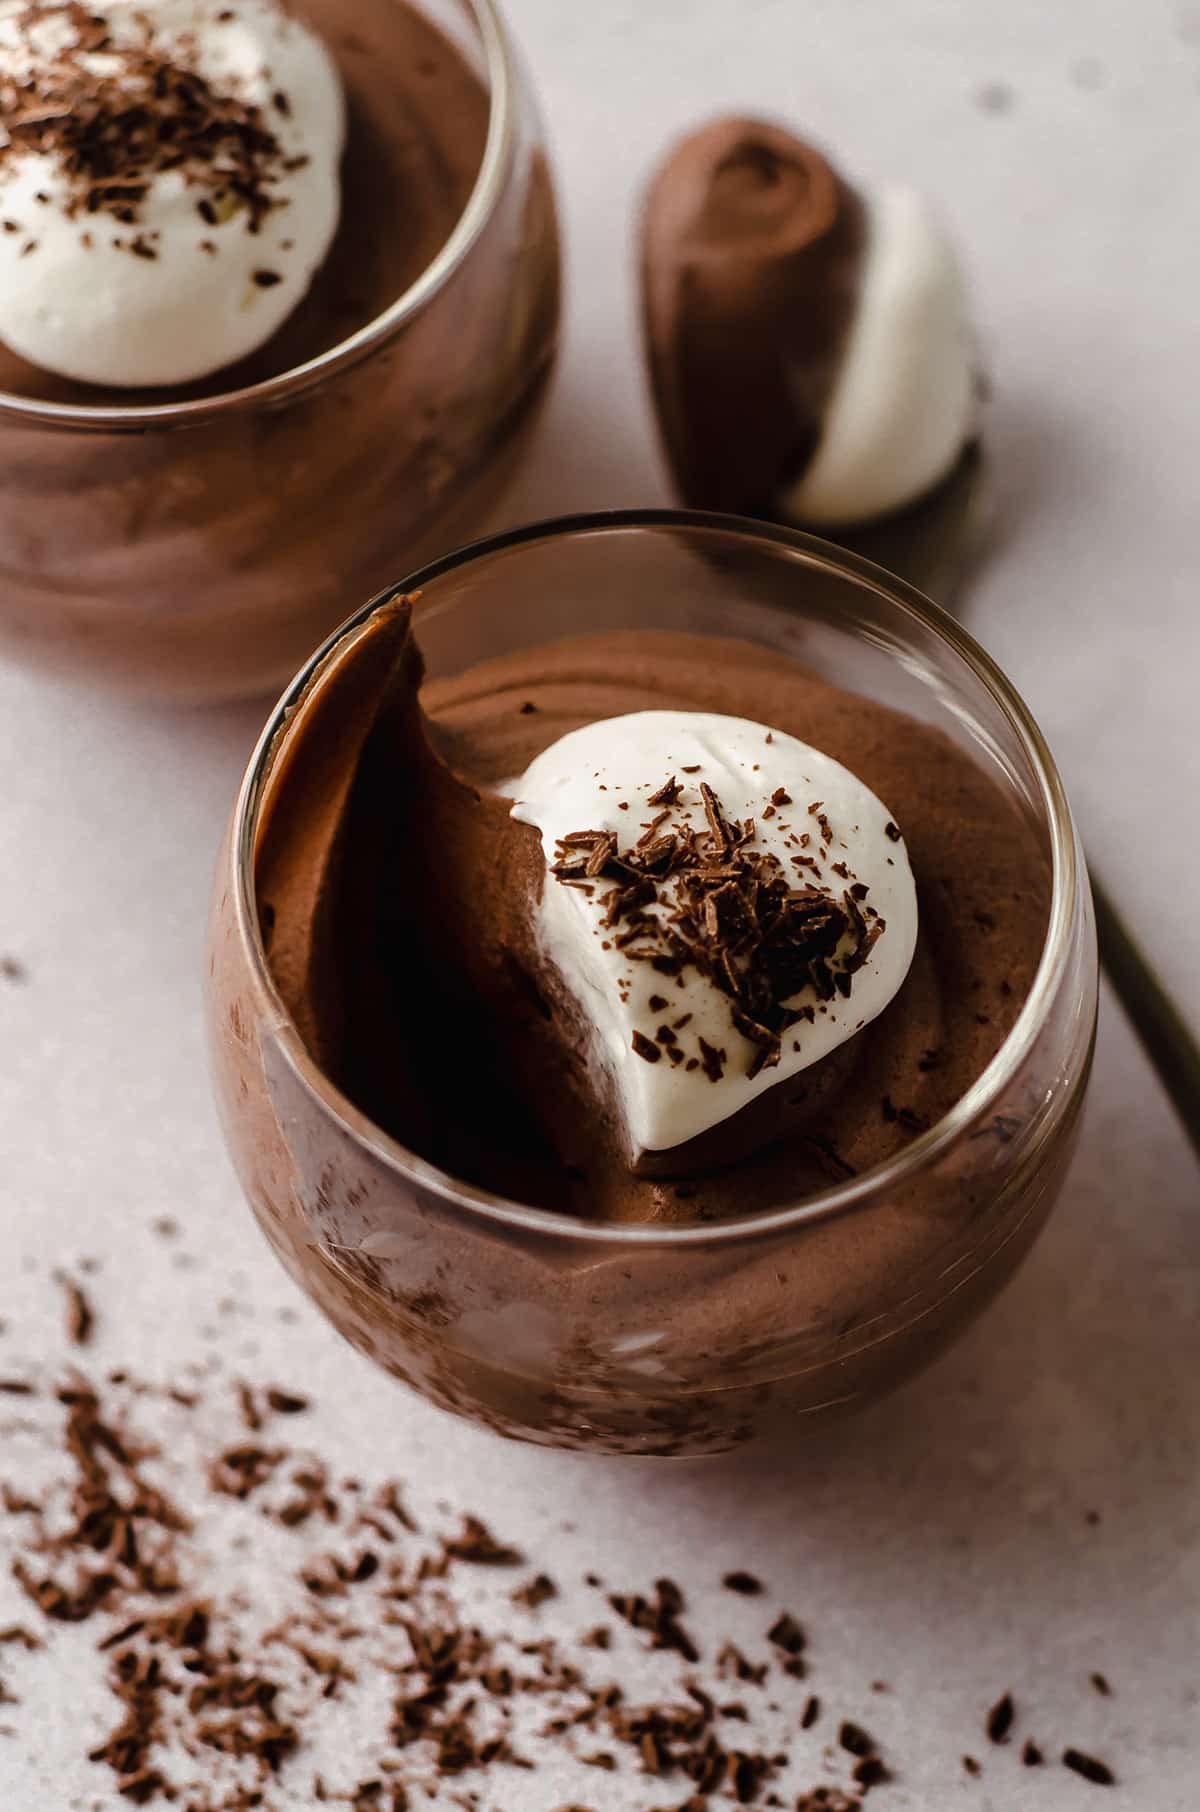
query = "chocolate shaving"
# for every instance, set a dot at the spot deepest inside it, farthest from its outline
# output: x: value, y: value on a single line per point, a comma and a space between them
x: 745, y: 1584
x: 477, y: 1544
x: 535, y: 1592
x: 855, y: 1740
x: 658, y: 1616
x: 1089, y: 1768
x: 1000, y: 1719
x: 80, y: 1318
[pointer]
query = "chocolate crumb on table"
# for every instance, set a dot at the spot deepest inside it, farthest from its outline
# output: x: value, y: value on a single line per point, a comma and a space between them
x: 535, y: 1592
x: 659, y: 1617
x: 855, y: 1740
x: 872, y: 1771
x: 361, y: 1592
x: 1089, y: 1768
x: 477, y: 1544
x: 1000, y: 1719
x: 80, y: 1317
x: 285, y: 1402
x: 787, y: 1634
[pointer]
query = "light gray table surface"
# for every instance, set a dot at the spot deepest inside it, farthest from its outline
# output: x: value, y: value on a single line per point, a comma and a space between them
x: 939, y: 1542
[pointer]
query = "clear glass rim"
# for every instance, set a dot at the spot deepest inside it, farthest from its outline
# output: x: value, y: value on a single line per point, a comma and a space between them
x: 839, y: 1198
x: 286, y: 386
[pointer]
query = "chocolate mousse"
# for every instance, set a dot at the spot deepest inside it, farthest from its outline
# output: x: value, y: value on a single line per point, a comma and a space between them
x: 246, y: 214
x: 809, y: 344
x: 818, y: 980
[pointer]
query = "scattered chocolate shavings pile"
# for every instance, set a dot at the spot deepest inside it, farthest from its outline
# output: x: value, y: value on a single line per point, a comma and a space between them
x: 110, y: 133
x: 213, y: 1696
x: 449, y: 1681
x: 728, y: 909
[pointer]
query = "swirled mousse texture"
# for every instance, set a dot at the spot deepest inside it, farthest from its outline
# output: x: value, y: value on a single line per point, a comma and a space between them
x: 331, y: 148
x: 810, y: 347
x: 168, y: 182
x: 402, y: 911
x: 719, y: 932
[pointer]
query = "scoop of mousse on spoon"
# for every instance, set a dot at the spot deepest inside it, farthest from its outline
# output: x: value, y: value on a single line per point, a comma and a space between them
x: 813, y: 362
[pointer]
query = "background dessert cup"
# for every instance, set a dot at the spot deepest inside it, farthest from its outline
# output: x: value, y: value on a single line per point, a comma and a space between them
x: 194, y: 545
x: 686, y: 1339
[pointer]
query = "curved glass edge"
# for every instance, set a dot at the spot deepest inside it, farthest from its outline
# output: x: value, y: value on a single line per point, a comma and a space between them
x: 1067, y: 878
x: 480, y: 205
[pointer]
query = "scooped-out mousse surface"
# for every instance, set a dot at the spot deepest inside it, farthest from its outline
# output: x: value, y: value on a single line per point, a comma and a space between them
x: 401, y: 901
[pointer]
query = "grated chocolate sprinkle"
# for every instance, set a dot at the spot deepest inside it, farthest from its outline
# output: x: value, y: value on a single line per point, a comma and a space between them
x: 682, y: 897
x: 1089, y: 1768
x: 1000, y: 1719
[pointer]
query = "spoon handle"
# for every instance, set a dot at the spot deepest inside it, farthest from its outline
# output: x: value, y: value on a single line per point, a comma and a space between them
x: 1165, y: 1038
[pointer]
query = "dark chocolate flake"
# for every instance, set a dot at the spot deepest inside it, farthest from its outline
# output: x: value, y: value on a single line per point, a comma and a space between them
x: 110, y: 133
x: 645, y: 1047
x: 787, y: 1634
x: 745, y: 1584
x: 855, y: 1740
x: 1000, y: 1719
x: 80, y: 1317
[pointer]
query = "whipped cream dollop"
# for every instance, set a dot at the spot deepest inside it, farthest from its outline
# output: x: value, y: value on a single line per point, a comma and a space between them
x: 905, y: 397
x: 169, y: 182
x: 725, y: 904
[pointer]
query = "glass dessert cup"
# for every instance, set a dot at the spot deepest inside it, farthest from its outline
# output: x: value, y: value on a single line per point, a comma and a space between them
x: 645, y: 1339
x: 197, y: 549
